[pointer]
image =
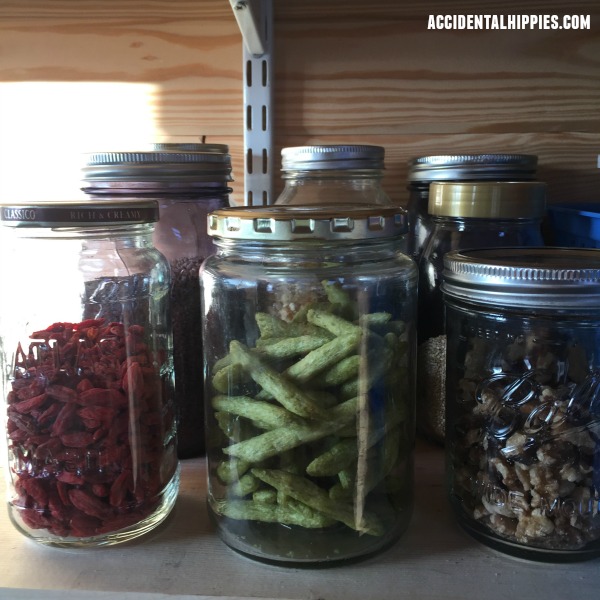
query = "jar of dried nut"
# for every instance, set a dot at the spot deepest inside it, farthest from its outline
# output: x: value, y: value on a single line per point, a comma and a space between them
x: 523, y: 390
x: 87, y: 372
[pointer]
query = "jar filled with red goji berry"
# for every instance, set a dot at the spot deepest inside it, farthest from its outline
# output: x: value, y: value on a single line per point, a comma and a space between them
x: 87, y: 372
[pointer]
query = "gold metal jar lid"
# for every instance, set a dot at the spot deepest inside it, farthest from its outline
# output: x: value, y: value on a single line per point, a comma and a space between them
x: 289, y: 223
x: 488, y: 199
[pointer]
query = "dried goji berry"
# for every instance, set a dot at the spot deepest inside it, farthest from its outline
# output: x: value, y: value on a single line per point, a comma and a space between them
x: 77, y: 439
x: 25, y: 406
x: 64, y: 419
x: 102, y: 397
x: 84, y: 525
x: 62, y: 393
x: 88, y: 504
x: 76, y: 392
x: 119, y: 488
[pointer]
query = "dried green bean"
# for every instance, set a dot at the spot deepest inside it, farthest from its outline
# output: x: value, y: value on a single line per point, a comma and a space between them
x: 324, y: 357
x: 274, y: 442
x: 286, y: 392
x: 288, y: 514
x: 268, y: 415
x: 312, y: 495
x: 288, y: 347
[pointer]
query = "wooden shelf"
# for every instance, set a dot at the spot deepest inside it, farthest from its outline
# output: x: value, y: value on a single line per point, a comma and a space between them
x: 184, y: 560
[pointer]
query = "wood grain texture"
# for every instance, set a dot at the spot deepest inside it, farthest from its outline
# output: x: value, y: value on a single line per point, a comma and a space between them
x: 317, y: 10
x: 396, y: 77
x: 345, y: 71
x: 566, y: 161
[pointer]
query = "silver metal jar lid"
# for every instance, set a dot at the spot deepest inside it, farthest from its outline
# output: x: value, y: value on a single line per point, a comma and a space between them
x: 549, y: 277
x: 314, y: 158
x: 162, y: 165
x: 79, y: 214
x: 456, y: 167
x: 288, y: 223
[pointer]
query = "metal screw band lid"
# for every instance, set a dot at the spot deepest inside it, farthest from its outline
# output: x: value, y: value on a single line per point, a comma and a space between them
x: 289, y: 223
x: 560, y: 278
x: 314, y: 158
x: 488, y: 199
x: 101, y: 213
x: 454, y: 167
x: 168, y: 165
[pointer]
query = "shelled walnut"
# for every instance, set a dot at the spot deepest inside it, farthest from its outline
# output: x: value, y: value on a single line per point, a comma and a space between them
x: 526, y: 465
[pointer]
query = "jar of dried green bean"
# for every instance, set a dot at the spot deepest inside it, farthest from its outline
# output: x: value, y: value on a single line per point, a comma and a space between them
x: 309, y: 356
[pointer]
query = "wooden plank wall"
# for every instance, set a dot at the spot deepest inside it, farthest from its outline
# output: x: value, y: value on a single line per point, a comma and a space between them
x: 346, y: 71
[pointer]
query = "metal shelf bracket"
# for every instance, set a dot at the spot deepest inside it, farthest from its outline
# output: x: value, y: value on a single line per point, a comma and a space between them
x: 255, y: 20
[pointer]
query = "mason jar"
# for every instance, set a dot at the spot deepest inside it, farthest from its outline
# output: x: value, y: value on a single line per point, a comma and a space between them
x: 86, y: 363
x: 333, y: 174
x: 523, y: 399
x: 309, y: 319
x: 189, y: 181
x: 424, y: 170
x: 464, y: 215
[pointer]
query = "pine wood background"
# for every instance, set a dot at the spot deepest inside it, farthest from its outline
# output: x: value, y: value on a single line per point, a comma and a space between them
x: 345, y: 71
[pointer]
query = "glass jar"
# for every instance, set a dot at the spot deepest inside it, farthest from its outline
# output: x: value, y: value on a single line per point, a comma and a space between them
x: 310, y: 346
x: 424, y: 170
x: 523, y: 398
x: 326, y: 175
x: 189, y: 181
x: 86, y: 363
x: 464, y: 215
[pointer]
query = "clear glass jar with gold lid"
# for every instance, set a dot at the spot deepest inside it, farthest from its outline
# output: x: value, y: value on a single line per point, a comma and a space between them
x: 309, y: 358
x: 425, y: 170
x: 464, y: 215
x: 523, y: 398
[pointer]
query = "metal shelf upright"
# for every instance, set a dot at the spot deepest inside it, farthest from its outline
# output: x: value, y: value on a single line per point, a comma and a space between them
x: 255, y: 20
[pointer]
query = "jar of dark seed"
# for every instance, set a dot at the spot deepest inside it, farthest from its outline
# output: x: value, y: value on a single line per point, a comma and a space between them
x: 464, y: 215
x: 425, y: 170
x: 523, y: 398
x: 309, y: 353
x: 87, y: 372
x: 189, y: 181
